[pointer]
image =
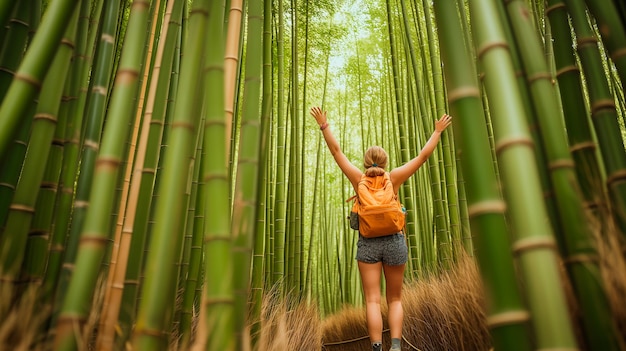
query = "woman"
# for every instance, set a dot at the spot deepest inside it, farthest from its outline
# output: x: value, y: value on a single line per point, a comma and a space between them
x: 388, y: 253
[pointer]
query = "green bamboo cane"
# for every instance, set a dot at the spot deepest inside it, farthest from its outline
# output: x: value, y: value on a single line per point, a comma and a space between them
x: 11, y: 54
x: 97, y: 222
x: 315, y: 220
x: 94, y: 116
x: 603, y: 112
x: 432, y: 78
x: 576, y: 237
x: 295, y: 172
x: 613, y: 32
x: 404, y: 152
x: 160, y: 115
x: 579, y: 130
x: 116, y: 256
x: 300, y: 255
x: 36, y: 258
x: 138, y: 201
x: 534, y: 242
x: 63, y: 203
x: 165, y: 244
x: 247, y: 171
x: 538, y: 141
x: 15, y: 236
x: 440, y: 223
x: 159, y: 130
x: 32, y: 70
x: 5, y: 11
x: 259, y: 260
x: 621, y: 9
x: 195, y: 263
x: 192, y: 250
x: 506, y: 312
x: 447, y: 141
x: 12, y: 49
x: 281, y: 178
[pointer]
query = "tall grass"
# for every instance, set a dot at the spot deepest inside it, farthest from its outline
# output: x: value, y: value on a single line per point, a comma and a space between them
x: 611, y: 249
x: 442, y: 312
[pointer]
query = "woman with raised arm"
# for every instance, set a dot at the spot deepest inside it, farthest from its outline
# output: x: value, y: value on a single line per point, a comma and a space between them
x: 388, y: 253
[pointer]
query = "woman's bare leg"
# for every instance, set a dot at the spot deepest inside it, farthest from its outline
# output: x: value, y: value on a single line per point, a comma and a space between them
x: 393, y: 279
x: 370, y: 278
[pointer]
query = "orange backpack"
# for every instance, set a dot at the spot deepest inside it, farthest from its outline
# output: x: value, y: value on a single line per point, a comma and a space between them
x: 376, y: 210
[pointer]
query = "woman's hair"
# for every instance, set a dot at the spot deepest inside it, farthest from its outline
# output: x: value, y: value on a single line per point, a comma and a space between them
x: 375, y: 161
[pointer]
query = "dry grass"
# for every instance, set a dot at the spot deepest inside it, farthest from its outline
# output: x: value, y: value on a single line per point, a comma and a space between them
x: 443, y: 312
x: 612, y: 262
x: 22, y: 322
x: 286, y: 327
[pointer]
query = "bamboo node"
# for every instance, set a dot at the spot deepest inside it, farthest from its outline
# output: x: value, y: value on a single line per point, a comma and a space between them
x: 58, y: 142
x: 4, y: 69
x: 91, y: 144
x: 582, y: 41
x: 183, y: 124
x: 581, y: 146
x: 508, y: 142
x: 202, y: 12
x: 45, y: 117
x: 618, y: 54
x: 463, y: 92
x: 22, y: 208
x: 108, y: 162
x: 603, y: 104
x: 539, y: 76
x: 567, y: 69
x: 486, y: 207
x: 507, y: 318
x: 99, y: 89
x: 616, y: 177
x: 19, y: 21
x: 68, y: 43
x: 567, y: 163
x: 554, y: 8
x: 126, y: 75
x: 533, y: 243
x: 42, y: 233
x: 483, y: 49
x: 107, y: 38
x: 7, y: 185
x: 28, y: 80
x: 97, y: 240
x: 139, y: 4
x: 581, y: 258
x: 56, y: 248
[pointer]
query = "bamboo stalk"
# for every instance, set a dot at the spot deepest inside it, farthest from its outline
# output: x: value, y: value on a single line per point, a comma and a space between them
x: 97, y: 222
x: 32, y: 70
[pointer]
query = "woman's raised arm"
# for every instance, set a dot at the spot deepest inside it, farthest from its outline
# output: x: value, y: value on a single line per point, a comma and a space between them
x: 351, y: 171
x: 401, y: 174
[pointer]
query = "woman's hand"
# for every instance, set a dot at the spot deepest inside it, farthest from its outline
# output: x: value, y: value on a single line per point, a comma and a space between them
x: 319, y: 115
x: 443, y: 123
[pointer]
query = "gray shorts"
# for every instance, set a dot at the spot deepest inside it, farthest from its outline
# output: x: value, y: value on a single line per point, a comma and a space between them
x: 390, y: 250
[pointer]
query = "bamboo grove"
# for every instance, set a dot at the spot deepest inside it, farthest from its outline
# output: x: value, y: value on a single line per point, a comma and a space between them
x: 160, y: 174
